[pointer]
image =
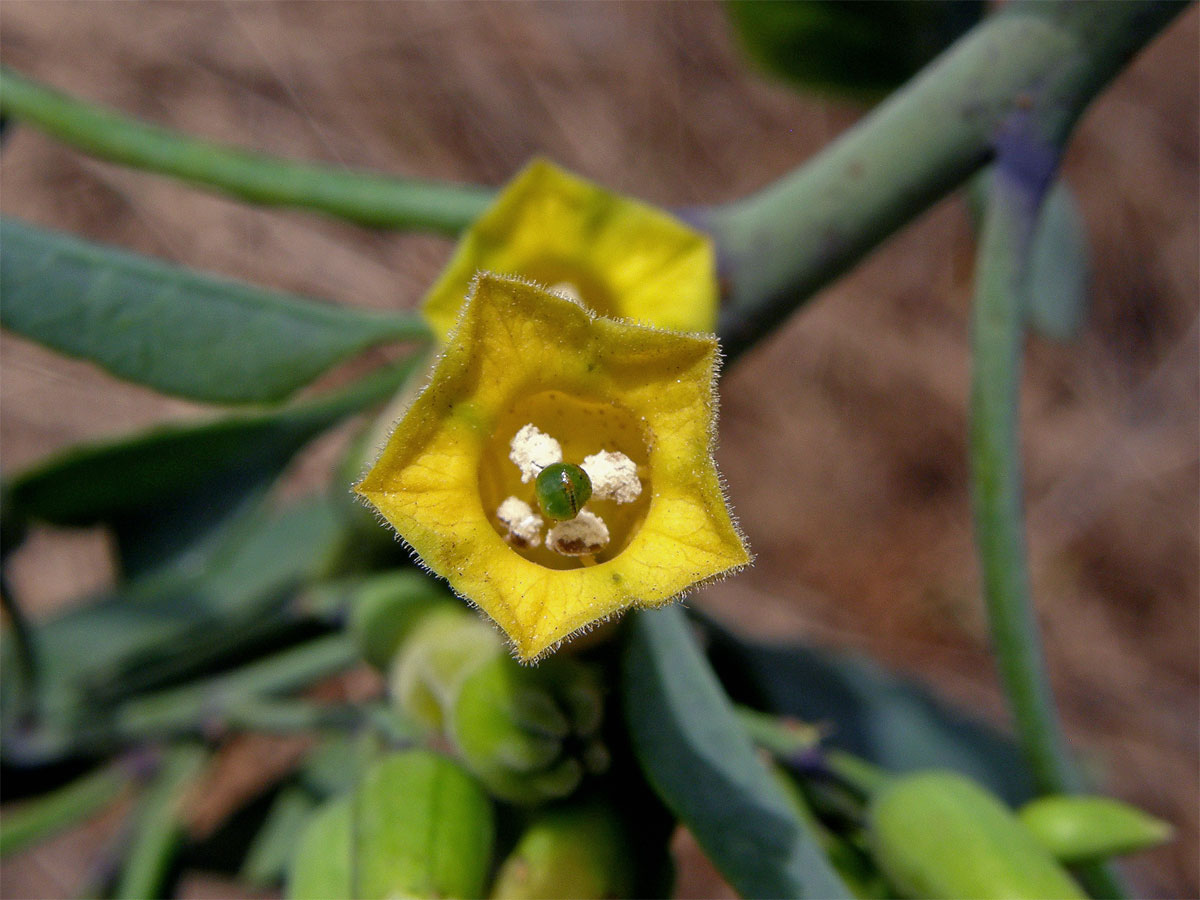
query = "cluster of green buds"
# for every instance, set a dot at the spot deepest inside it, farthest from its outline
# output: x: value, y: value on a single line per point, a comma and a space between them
x: 530, y: 735
x: 418, y: 824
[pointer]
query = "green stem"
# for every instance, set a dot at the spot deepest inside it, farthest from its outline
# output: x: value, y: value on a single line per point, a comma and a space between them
x: 1043, y: 59
x: 40, y: 818
x: 158, y: 828
x: 236, y: 699
x: 362, y: 197
x: 997, y: 333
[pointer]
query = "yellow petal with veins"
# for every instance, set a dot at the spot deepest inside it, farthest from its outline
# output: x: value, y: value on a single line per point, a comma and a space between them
x: 623, y: 258
x: 519, y: 353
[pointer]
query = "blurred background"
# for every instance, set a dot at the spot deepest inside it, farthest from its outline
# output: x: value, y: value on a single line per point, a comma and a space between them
x: 842, y: 437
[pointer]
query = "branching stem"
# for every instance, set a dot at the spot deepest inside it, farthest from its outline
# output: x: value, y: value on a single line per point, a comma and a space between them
x: 1048, y: 57
x: 363, y: 197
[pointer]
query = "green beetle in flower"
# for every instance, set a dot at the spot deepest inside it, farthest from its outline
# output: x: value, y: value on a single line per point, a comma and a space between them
x: 562, y: 490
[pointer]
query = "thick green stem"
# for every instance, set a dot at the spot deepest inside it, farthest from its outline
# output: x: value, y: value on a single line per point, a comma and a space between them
x: 1046, y: 60
x: 362, y: 197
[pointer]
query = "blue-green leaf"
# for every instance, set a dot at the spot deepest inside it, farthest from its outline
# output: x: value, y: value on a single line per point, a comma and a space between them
x: 163, y: 489
x: 229, y: 595
x: 1057, y: 282
x: 891, y: 721
x: 1059, y: 267
x: 701, y: 763
x: 172, y: 329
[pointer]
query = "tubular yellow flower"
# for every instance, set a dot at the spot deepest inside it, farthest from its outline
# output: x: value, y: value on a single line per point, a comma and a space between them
x: 619, y: 257
x: 525, y: 368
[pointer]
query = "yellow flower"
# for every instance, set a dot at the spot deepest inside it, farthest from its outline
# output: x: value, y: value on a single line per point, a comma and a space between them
x: 529, y: 374
x: 619, y: 257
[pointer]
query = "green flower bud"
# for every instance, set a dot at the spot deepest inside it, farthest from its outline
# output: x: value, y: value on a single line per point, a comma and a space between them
x: 1082, y: 829
x: 385, y: 609
x: 443, y: 649
x: 416, y: 826
x: 939, y: 835
x: 530, y: 734
x: 577, y: 851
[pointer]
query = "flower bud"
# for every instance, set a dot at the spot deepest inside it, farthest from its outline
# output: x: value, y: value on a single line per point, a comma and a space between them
x: 939, y: 835
x: 443, y: 649
x: 417, y: 826
x: 386, y: 608
x: 1081, y: 829
x: 530, y: 735
x: 575, y: 851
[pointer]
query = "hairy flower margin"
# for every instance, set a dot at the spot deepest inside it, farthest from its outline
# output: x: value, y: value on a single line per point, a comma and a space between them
x: 520, y: 355
x: 619, y: 257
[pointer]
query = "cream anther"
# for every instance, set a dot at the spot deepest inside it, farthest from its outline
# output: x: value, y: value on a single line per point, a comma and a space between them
x: 581, y: 536
x: 613, y: 475
x: 523, y: 524
x: 532, y: 450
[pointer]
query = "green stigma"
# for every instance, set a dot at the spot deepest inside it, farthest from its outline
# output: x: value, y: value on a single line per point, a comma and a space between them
x: 562, y: 490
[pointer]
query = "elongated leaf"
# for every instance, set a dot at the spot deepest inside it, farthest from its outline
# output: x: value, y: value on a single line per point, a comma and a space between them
x: 42, y: 817
x: 148, y: 633
x: 1058, y: 279
x: 699, y: 760
x: 892, y: 721
x: 172, y: 329
x: 163, y: 489
x: 863, y: 48
x: 160, y: 824
x: 1059, y: 267
x: 322, y: 865
x: 367, y: 198
x: 267, y: 858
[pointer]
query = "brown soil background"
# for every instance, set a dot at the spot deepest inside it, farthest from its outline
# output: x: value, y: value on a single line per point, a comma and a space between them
x: 842, y: 437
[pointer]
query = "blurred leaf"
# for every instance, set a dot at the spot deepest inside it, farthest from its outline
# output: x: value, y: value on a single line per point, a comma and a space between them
x: 267, y: 858
x: 1057, y: 285
x: 158, y: 829
x: 322, y: 865
x: 150, y: 632
x: 416, y: 826
x: 163, y: 489
x: 1059, y: 267
x: 891, y: 721
x: 41, y: 817
x: 699, y: 760
x: 367, y: 198
x: 863, y: 48
x: 172, y: 329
